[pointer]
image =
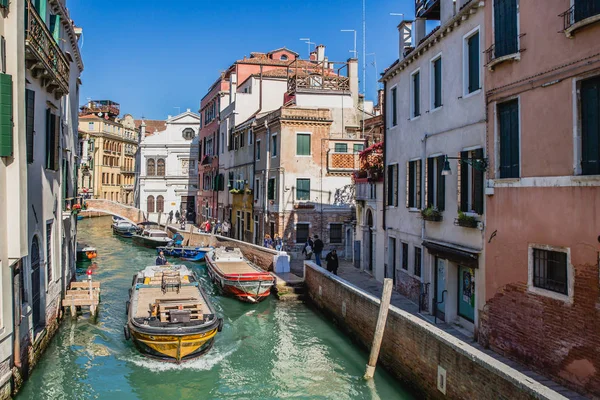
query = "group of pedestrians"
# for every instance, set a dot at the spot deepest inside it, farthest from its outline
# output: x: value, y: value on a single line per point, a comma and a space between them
x: 215, y: 227
x: 316, y: 247
x: 274, y: 243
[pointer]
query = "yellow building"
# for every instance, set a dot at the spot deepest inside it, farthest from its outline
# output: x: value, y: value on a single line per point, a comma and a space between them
x: 108, y: 148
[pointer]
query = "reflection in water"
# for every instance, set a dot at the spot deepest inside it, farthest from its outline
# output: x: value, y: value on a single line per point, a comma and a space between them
x: 269, y: 350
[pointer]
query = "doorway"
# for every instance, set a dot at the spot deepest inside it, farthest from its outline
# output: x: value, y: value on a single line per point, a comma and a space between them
x: 440, y: 288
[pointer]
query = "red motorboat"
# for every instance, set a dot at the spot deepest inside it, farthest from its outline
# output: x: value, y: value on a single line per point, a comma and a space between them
x: 238, y: 277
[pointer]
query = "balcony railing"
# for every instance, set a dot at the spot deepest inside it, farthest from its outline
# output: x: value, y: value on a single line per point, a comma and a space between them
x: 579, y: 13
x: 365, y: 191
x: 343, y: 162
x: 502, y: 50
x: 44, y: 57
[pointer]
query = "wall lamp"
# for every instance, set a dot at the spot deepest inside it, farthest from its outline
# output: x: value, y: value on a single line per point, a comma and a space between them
x: 479, y: 164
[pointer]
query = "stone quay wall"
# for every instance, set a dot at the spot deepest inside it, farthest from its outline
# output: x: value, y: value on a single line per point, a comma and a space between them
x: 427, y: 360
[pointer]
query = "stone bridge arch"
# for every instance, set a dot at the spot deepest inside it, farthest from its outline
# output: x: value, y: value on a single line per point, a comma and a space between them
x: 128, y: 213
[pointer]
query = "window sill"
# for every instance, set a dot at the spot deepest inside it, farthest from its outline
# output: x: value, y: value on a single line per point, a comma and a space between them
x: 436, y: 109
x: 507, y: 180
x: 549, y: 293
x: 509, y: 57
x: 303, y: 156
x: 474, y: 93
x: 415, y: 118
x: 570, y: 31
x: 414, y: 210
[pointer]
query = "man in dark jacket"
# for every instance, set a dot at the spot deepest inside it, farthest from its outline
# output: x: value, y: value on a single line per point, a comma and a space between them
x: 332, y: 261
x: 161, y: 259
x: 318, y: 249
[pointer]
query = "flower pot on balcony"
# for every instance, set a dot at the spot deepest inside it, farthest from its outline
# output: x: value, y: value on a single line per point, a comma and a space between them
x: 466, y: 221
x: 431, y: 214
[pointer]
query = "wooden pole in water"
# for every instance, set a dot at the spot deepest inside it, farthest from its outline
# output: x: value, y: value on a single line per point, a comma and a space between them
x: 384, y: 306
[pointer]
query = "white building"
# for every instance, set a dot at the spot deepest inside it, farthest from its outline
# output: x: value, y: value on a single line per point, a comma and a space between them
x: 435, y: 108
x: 169, y: 159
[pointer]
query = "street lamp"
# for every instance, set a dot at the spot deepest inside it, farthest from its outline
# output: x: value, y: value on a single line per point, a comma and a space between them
x: 308, y: 42
x: 352, y: 30
x: 479, y: 164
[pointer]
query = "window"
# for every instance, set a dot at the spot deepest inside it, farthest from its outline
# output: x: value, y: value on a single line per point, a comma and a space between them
x: 222, y: 142
x: 160, y: 204
x: 271, y: 189
x: 416, y: 95
x: 242, y: 139
x: 52, y: 140
x: 508, y: 125
x: 283, y: 57
x: 585, y: 9
x: 256, y: 189
x: 392, y: 185
x: 230, y: 180
x: 188, y: 134
x: 303, y: 144
x: 358, y: 147
x: 436, y: 184
x: 258, y: 150
x: 413, y: 184
x: 160, y: 167
x: 248, y: 221
x: 472, y: 63
x: 394, y: 105
x: 470, y: 185
x: 436, y: 83
x: 302, y: 232
x: 590, y: 126
x: 90, y: 126
x: 341, y: 148
x: 405, y: 256
x: 505, y: 27
x: 418, y: 261
x: 335, y: 233
x: 274, y: 146
x: 302, y: 189
x: 55, y: 26
x: 250, y: 137
x: 150, y: 167
x: 49, y: 250
x: 550, y: 270
x: 30, y: 121
x: 150, y: 204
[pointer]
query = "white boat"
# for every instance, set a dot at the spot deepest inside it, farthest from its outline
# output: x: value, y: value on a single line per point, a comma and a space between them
x: 152, y: 238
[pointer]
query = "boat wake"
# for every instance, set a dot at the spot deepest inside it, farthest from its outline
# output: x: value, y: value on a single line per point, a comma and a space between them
x: 204, y: 363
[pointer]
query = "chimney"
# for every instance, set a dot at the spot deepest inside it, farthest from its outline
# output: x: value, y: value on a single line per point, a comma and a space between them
x: 320, y: 52
x: 313, y: 56
x: 232, y: 87
x: 418, y: 31
x: 143, y: 130
x: 353, y: 76
x: 326, y: 62
x: 405, y: 32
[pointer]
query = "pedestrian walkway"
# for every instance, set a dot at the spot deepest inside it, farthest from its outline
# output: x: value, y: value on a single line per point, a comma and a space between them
x: 369, y: 284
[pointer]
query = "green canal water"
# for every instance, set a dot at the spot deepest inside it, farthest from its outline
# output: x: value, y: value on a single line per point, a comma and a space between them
x: 270, y: 350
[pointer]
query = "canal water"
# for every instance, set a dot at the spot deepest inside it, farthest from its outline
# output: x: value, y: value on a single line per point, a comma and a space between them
x: 270, y: 350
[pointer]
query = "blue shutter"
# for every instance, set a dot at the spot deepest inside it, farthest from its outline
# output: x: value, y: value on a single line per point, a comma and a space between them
x: 478, y: 184
x: 505, y: 27
x: 590, y: 127
x: 437, y: 95
x: 441, y: 184
x: 473, y: 53
x: 6, y: 120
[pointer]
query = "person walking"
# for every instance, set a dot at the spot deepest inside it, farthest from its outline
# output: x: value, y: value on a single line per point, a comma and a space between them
x: 308, y: 249
x: 219, y: 227
x: 170, y: 220
x: 177, y: 216
x: 332, y: 261
x: 318, y: 249
x: 268, y: 242
x: 278, y: 243
x: 226, y: 228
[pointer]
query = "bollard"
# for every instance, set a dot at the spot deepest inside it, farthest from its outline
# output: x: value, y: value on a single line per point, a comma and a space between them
x: 384, y: 306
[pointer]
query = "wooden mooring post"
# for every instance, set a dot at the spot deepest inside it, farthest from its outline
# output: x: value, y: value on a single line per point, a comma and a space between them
x: 384, y: 306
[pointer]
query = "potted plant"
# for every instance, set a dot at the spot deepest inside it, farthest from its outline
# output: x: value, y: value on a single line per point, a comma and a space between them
x: 248, y: 191
x: 76, y: 208
x: 431, y: 214
x: 235, y: 191
x: 466, y: 221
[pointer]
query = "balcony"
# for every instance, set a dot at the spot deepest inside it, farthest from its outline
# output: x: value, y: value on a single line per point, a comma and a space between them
x: 581, y: 14
x: 317, y: 76
x: 43, y: 56
x: 428, y: 9
x: 365, y: 190
x: 125, y: 170
x: 505, y: 50
x: 101, y: 107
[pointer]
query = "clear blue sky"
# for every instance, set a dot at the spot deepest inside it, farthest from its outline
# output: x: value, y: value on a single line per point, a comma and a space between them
x: 152, y: 56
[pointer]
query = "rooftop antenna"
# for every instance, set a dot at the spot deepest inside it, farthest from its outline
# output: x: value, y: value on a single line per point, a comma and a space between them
x: 364, y: 51
x: 397, y: 14
x: 374, y: 64
x: 308, y: 42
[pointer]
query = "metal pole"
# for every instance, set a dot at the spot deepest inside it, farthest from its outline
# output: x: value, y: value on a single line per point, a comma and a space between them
x: 364, y: 52
x: 381, y: 319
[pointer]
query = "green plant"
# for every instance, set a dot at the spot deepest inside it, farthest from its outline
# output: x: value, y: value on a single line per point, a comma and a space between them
x: 466, y: 220
x: 431, y: 214
x: 235, y: 191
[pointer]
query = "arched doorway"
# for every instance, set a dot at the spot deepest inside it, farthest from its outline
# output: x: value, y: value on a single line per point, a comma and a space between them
x: 36, y: 292
x: 369, y: 248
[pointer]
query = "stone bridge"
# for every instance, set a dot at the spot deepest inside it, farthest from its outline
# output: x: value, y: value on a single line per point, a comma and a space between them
x: 128, y: 213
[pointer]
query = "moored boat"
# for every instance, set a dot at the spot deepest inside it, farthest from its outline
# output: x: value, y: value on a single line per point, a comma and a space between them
x: 124, y: 228
x: 169, y: 316
x: 189, y: 253
x: 236, y: 276
x: 152, y: 238
x: 86, y: 252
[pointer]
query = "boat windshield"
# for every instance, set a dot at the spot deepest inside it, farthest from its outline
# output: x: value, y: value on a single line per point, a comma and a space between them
x: 158, y: 234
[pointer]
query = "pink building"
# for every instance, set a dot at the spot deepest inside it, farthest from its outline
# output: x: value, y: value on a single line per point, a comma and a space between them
x: 542, y: 87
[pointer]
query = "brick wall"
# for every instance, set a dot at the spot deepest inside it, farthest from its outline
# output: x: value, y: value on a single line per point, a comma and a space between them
x: 409, y: 286
x: 412, y: 349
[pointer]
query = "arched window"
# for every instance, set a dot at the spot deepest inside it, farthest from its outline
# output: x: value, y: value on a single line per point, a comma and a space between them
x: 160, y: 167
x: 283, y: 57
x: 160, y: 204
x: 150, y: 204
x: 150, y: 167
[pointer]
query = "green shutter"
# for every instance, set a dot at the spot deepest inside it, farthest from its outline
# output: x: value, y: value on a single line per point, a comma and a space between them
x: 514, y: 139
x: 419, y: 171
x: 30, y: 122
x: 56, y: 143
x: 6, y: 120
x: 411, y: 184
x: 4, y: 3
x: 478, y: 184
x: 464, y: 182
x: 505, y: 27
x: 390, y: 185
x: 49, y: 139
x: 429, y: 192
x: 590, y: 127
x: 40, y: 6
x: 416, y: 95
x: 357, y: 148
x: 394, y: 108
x: 302, y: 189
x: 341, y: 147
x: 55, y: 27
x: 585, y: 9
x: 508, y: 119
x: 473, y: 51
x: 437, y: 69
x: 303, y: 144
x: 441, y: 184
x: 271, y: 189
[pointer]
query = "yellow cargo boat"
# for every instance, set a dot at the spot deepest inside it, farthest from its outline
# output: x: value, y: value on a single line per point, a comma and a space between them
x: 169, y: 316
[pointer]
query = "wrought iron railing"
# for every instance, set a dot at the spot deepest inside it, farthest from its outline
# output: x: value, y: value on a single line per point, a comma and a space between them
x: 504, y: 48
x: 579, y: 12
x: 423, y: 6
x: 41, y: 47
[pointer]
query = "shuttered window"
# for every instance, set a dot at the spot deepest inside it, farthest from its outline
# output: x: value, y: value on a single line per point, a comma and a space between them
x: 271, y: 189
x: 416, y: 98
x: 274, y: 146
x: 358, y: 147
x: 302, y: 232
x: 508, y: 124
x: 585, y: 9
x: 505, y: 27
x: 52, y: 140
x: 470, y: 183
x: 335, y: 233
x: 4, y: 3
x: 6, y: 122
x: 302, y: 189
x: 392, y: 185
x: 55, y: 27
x: 590, y: 126
x: 405, y: 256
x: 435, y: 188
x: 473, y: 63
x: 257, y: 150
x: 29, y: 122
x: 341, y: 147
x: 303, y: 144
x: 394, y: 107
x: 414, y: 184
x: 437, y: 83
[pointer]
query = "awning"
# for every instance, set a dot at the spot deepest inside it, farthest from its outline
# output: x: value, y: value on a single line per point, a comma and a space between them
x: 462, y: 257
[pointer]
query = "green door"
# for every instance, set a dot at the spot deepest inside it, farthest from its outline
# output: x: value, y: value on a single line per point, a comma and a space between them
x: 590, y: 127
x: 466, y: 293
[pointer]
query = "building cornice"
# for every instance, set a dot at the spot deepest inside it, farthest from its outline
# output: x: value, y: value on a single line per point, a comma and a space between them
x: 60, y: 8
x: 441, y: 32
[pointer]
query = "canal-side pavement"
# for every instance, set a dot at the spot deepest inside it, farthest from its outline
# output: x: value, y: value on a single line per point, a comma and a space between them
x: 370, y: 285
